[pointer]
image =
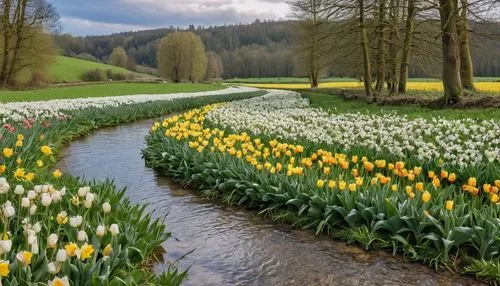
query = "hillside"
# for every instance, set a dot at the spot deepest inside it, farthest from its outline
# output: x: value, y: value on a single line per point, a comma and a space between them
x: 66, y: 69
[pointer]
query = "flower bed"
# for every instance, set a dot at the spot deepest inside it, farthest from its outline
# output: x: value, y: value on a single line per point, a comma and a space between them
x: 58, y: 230
x: 58, y: 107
x: 247, y: 153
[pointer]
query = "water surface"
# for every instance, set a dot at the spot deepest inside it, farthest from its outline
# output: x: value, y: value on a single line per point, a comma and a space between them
x: 233, y: 246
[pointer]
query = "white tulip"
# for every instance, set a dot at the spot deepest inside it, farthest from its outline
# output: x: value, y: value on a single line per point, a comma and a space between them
x: 45, y: 188
x: 100, y: 230
x: 90, y: 197
x: 82, y: 236
x: 31, y: 195
x: 5, y: 245
x: 38, y: 189
x: 52, y: 240
x: 8, y: 211
x: 4, y: 188
x: 25, y: 203
x: 32, y: 239
x: 56, y: 196
x: 75, y: 221
x: 61, y: 255
x: 114, y: 229
x: 87, y: 204
x: 106, y: 207
x: 82, y: 192
x: 62, y: 192
x: 37, y: 227
x: 46, y: 199
x: 35, y: 248
x: 52, y: 268
x: 33, y: 209
x: 19, y: 190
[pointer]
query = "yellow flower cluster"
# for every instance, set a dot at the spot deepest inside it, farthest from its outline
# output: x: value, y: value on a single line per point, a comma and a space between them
x: 331, y: 170
x: 423, y: 86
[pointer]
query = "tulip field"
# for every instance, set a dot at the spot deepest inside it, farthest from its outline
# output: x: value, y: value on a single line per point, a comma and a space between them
x: 427, y: 188
x: 60, y: 230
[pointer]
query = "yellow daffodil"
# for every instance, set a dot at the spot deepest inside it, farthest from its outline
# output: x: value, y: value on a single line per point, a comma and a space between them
x: 86, y: 251
x: 57, y: 173
x: 46, y: 150
x: 72, y: 249
x: 4, y: 268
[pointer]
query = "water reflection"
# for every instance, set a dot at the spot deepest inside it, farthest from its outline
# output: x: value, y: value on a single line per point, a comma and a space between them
x: 234, y: 246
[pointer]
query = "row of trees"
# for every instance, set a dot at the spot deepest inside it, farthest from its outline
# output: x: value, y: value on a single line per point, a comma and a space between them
x: 388, y: 36
x: 25, y: 46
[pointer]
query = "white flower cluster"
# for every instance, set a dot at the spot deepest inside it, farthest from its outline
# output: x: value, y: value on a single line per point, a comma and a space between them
x: 287, y: 115
x: 53, y: 108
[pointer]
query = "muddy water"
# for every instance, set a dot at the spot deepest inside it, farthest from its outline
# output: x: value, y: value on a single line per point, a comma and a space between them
x: 232, y: 246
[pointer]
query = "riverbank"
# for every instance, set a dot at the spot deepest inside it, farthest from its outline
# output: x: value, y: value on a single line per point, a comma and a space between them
x: 97, y: 233
x: 293, y: 163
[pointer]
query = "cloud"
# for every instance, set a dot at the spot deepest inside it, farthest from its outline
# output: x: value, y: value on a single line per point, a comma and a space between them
x: 103, y: 17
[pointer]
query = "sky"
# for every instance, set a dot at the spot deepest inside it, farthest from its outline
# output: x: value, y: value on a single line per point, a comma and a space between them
x: 99, y: 17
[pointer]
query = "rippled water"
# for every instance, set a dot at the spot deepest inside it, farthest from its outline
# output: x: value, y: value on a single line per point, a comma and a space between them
x: 232, y: 246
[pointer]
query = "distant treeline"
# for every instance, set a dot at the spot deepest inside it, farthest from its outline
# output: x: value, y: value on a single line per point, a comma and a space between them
x: 266, y: 49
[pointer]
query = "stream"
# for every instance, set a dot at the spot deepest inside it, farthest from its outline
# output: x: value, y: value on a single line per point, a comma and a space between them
x: 232, y: 246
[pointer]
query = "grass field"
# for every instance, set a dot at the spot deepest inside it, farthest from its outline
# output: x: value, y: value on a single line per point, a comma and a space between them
x: 334, y: 102
x: 333, y: 79
x: 103, y: 89
x: 66, y: 69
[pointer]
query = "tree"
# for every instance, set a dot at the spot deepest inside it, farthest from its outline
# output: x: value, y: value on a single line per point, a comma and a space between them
x: 405, y: 57
x: 311, y: 37
x: 451, y: 54
x: 215, y: 69
x: 118, y: 57
x: 381, y: 35
x: 466, y: 67
x: 25, y: 47
x: 181, y: 56
x: 367, y: 78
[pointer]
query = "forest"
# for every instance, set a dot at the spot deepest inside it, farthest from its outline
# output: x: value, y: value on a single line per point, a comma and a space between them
x: 267, y: 49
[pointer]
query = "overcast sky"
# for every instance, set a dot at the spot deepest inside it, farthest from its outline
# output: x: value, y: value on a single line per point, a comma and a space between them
x: 97, y: 17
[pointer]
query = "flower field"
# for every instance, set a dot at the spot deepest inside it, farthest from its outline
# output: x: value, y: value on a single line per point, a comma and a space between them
x: 420, y: 86
x: 426, y: 188
x: 59, y: 230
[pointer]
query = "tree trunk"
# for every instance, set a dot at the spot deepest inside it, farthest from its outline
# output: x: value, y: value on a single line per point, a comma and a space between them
x: 313, y: 77
x: 7, y: 34
x: 466, y: 68
x: 381, y: 47
x: 394, y: 41
x: 364, y: 46
x: 405, y: 58
x: 19, y: 24
x: 451, y: 54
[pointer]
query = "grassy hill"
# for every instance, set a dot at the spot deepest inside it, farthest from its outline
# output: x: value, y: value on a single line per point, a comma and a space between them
x: 66, y: 69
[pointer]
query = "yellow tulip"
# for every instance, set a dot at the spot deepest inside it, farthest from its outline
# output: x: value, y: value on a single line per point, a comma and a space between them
x: 419, y: 186
x: 449, y: 205
x: 2, y: 169
x: 320, y: 183
x: 494, y: 198
x: 7, y: 152
x: 426, y: 197
x: 107, y: 250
